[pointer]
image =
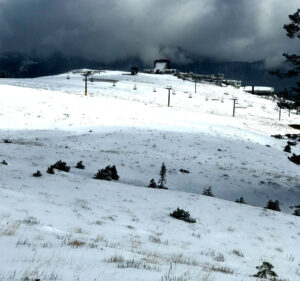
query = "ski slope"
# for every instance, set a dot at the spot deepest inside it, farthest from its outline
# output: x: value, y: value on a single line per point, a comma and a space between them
x: 48, y: 118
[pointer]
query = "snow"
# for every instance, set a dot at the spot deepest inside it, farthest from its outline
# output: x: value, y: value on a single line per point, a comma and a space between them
x: 259, y: 88
x: 49, y: 118
x: 160, y: 66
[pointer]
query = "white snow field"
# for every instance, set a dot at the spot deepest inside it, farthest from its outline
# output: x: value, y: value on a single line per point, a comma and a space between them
x: 69, y: 226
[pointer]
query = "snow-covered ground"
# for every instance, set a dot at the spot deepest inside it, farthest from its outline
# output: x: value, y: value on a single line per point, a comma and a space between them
x: 47, y: 119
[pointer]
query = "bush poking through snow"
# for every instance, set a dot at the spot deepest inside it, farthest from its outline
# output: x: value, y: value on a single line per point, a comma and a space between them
x: 241, y: 200
x: 50, y: 170
x: 291, y: 143
x: 183, y: 215
x: 62, y: 166
x: 152, y: 184
x: 208, y: 192
x: 79, y: 165
x: 297, y: 213
x: 4, y: 162
x: 108, y: 173
x: 295, y: 159
x: 287, y: 149
x: 37, y: 174
x: 184, y: 171
x: 273, y: 205
x: 265, y: 271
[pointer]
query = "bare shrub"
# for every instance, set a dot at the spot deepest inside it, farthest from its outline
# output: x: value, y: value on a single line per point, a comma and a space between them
x: 115, y: 259
x: 180, y: 259
x: 220, y: 257
x: 170, y: 275
x: 237, y: 253
x: 31, y: 221
x: 76, y: 243
x: 157, y: 240
x: 216, y: 268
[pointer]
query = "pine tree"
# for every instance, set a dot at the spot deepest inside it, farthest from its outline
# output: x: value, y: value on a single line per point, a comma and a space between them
x: 50, y: 170
x: 241, y: 200
x: 208, y: 192
x: 37, y: 174
x: 273, y: 205
x: 79, y: 165
x: 152, y: 184
x: 114, y: 173
x: 265, y: 271
x: 162, y: 180
x: 292, y: 31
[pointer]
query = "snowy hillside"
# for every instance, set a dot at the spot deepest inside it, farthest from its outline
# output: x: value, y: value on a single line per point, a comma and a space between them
x: 69, y: 226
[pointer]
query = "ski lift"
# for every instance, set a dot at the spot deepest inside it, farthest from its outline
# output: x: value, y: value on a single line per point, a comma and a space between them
x: 134, y: 87
x: 174, y: 93
x: 190, y: 96
x: 114, y: 84
x: 154, y: 89
x: 92, y: 79
x: 68, y: 76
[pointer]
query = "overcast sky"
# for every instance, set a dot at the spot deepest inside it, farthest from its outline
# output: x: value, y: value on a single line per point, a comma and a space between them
x: 109, y: 30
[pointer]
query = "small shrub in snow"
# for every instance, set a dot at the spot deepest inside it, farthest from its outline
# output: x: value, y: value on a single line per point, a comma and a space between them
x: 152, y: 184
x: 7, y: 141
x: 76, y: 243
x: 79, y: 165
x: 4, y: 162
x: 62, y: 166
x: 162, y: 180
x: 216, y: 268
x: 273, y: 205
x: 108, y: 173
x: 287, y: 149
x: 241, y: 200
x: 50, y: 170
x: 37, y: 174
x: 295, y: 159
x: 297, y: 213
x: 291, y: 143
x: 277, y: 136
x: 181, y: 214
x: 238, y: 253
x: 184, y: 171
x: 208, y: 192
x: 265, y: 271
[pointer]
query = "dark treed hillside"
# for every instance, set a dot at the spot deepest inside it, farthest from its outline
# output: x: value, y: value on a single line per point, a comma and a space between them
x: 20, y: 66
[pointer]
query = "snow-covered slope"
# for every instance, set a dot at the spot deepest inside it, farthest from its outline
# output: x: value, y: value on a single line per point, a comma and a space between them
x: 48, y: 118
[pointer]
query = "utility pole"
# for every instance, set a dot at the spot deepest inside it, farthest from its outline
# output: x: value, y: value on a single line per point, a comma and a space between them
x: 279, y: 113
x: 169, y: 88
x: 85, y: 79
x: 234, y: 102
x: 195, y: 85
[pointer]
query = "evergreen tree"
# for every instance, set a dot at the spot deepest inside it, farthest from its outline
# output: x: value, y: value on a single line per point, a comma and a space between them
x: 50, y: 170
x: 265, y: 271
x: 292, y: 31
x: 208, y: 192
x: 114, y: 173
x: 37, y: 174
x: 152, y: 184
x: 241, y: 200
x: 79, y: 165
x: 273, y: 205
x: 162, y: 180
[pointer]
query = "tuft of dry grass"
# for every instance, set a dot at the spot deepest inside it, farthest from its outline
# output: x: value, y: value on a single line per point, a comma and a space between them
x: 237, y: 253
x: 76, y: 243
x: 216, y: 268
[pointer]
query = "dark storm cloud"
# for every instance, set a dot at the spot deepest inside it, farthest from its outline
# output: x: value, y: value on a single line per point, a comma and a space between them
x: 116, y: 29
